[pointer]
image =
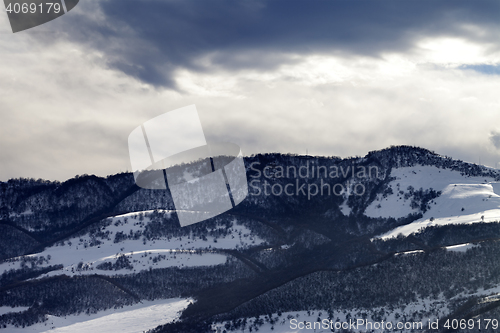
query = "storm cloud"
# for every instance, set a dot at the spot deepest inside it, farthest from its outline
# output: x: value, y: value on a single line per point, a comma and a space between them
x: 327, y: 77
x: 150, y: 39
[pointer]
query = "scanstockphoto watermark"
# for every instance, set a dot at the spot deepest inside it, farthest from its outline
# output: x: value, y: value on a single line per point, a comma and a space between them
x: 310, y: 180
x: 359, y: 325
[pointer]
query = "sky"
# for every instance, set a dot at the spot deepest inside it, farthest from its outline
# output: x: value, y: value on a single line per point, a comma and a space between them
x: 333, y: 78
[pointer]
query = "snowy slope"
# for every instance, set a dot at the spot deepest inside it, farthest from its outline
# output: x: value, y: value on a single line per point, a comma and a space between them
x: 307, y: 321
x: 81, y: 255
x: 78, y: 257
x: 463, y: 199
x: 425, y: 177
x: 129, y: 319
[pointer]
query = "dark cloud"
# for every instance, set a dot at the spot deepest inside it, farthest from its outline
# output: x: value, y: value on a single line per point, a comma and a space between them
x: 149, y: 39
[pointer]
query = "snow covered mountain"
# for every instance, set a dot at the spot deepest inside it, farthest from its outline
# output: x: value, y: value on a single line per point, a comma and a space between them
x: 400, y: 234
x: 461, y: 199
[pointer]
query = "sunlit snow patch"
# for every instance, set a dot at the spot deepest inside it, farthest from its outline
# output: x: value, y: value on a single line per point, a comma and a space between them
x: 130, y: 319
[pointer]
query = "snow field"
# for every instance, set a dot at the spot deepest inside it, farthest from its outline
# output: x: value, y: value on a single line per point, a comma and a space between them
x: 463, y: 200
x: 136, y: 318
x: 161, y: 253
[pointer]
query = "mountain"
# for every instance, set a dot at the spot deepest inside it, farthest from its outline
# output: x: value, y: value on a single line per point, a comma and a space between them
x: 402, y: 235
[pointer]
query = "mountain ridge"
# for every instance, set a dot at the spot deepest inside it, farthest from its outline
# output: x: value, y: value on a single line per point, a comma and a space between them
x: 60, y: 238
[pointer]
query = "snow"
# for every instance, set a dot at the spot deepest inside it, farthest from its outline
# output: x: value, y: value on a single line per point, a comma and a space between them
x: 488, y: 294
x: 8, y: 309
x: 229, y: 242
x: 424, y: 177
x: 452, y: 248
x: 461, y: 247
x: 140, y: 261
x: 463, y: 200
x: 409, y: 252
x: 177, y: 251
x: 136, y: 318
x: 139, y: 254
x: 430, y: 309
x: 346, y: 210
x: 25, y: 213
x: 182, y: 252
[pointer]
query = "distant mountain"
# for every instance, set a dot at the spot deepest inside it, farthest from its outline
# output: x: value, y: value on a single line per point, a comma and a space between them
x: 401, y: 234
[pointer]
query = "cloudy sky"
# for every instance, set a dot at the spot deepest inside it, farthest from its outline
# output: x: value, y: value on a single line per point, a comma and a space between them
x: 334, y: 77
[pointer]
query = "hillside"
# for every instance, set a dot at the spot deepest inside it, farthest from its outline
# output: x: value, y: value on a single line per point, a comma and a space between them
x: 399, y: 233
